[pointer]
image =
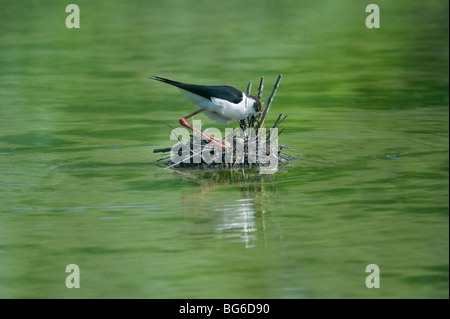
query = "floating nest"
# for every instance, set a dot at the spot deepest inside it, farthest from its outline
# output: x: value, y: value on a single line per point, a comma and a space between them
x: 252, y: 144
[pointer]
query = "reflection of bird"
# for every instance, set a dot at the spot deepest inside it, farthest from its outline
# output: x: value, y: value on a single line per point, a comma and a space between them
x: 220, y: 103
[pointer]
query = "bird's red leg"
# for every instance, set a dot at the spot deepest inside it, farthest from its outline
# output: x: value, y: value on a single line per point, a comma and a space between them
x: 184, y: 123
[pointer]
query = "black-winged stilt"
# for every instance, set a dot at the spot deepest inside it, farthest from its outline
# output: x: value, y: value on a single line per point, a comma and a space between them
x: 220, y: 103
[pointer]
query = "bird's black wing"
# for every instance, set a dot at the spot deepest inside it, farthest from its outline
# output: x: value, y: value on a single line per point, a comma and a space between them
x: 223, y: 92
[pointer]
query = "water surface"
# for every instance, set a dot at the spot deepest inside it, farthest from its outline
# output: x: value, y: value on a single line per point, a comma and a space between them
x: 79, y: 183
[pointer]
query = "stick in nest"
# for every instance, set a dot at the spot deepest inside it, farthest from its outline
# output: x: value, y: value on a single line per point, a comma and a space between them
x: 266, y: 109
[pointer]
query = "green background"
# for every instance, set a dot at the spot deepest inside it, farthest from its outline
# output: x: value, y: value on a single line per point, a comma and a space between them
x: 79, y: 119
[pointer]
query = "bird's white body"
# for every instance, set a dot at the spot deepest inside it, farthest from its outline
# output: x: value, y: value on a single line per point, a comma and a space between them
x: 219, y: 110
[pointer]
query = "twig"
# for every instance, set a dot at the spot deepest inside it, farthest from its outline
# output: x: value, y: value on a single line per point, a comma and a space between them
x: 163, y: 159
x: 282, y: 119
x: 242, y: 122
x: 171, y: 126
x: 279, y: 133
x: 260, y: 89
x: 249, y: 88
x: 266, y: 110
x: 277, y: 121
x: 162, y: 150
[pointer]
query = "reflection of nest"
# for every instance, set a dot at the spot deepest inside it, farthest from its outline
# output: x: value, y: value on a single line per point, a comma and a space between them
x: 251, y: 184
x: 251, y: 145
x: 247, y: 212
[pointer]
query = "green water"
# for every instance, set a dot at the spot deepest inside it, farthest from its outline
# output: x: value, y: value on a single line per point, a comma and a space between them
x: 79, y: 183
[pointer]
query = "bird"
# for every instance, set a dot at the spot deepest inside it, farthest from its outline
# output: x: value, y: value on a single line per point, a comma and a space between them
x: 220, y: 103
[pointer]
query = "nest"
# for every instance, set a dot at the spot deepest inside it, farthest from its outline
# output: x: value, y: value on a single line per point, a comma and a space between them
x: 250, y: 145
